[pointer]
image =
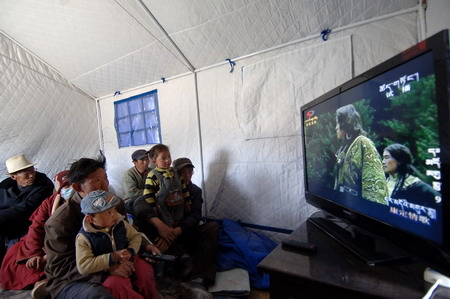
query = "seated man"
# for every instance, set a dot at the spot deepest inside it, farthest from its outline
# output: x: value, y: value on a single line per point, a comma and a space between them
x: 61, y: 229
x: 195, y: 244
x: 133, y: 182
x: 198, y: 240
x: 20, y: 196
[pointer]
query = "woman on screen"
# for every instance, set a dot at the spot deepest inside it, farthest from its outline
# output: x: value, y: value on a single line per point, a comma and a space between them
x: 402, y: 184
x: 359, y: 168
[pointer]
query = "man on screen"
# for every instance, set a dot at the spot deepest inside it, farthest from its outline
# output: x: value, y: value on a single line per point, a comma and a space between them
x: 359, y: 168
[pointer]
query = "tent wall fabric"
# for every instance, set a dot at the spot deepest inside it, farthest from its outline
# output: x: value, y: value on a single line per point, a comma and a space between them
x: 107, y: 45
x: 249, y: 166
x: 179, y: 128
x: 42, y: 115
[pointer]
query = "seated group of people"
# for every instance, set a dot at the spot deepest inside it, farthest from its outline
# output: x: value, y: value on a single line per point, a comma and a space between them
x: 77, y: 242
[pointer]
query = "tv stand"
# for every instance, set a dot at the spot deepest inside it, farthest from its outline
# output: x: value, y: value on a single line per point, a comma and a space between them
x: 335, y: 272
x: 372, y: 249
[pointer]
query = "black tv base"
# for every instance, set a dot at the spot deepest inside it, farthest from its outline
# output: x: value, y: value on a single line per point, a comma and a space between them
x: 335, y: 272
x: 372, y: 249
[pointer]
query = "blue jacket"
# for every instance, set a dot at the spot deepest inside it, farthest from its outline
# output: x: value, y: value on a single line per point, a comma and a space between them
x: 101, y: 242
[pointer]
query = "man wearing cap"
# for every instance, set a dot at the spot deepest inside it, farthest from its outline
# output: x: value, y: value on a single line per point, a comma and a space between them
x: 20, y: 195
x: 134, y: 178
x: 199, y: 242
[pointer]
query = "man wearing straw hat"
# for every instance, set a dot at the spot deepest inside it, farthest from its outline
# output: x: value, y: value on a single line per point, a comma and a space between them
x: 20, y: 195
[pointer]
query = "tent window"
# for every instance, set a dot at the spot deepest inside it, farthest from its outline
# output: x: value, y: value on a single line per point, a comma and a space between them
x: 137, y: 120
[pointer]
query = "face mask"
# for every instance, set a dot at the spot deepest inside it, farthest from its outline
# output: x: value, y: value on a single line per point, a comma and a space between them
x: 67, y: 193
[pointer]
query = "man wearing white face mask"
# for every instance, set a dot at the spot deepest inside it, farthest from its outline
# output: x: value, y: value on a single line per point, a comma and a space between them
x: 24, y: 262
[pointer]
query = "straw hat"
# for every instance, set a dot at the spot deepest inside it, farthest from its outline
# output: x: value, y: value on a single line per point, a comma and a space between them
x: 16, y: 163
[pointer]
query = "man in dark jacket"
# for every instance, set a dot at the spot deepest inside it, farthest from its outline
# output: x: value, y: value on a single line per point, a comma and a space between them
x: 199, y: 240
x: 195, y: 243
x: 20, y: 196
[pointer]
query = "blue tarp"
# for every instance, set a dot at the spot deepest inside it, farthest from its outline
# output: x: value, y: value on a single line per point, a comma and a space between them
x: 240, y: 248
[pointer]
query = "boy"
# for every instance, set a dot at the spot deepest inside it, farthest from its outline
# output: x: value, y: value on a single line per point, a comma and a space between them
x: 164, y: 201
x: 105, y: 240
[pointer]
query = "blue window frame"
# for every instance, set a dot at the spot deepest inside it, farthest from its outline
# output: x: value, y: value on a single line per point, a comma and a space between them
x: 137, y: 120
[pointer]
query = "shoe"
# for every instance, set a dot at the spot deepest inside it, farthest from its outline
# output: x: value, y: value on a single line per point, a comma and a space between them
x: 186, y: 267
x: 39, y: 291
x: 194, y: 290
x: 167, y: 286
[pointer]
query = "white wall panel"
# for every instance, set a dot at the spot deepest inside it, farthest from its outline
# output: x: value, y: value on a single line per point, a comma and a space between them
x: 253, y: 162
x: 179, y: 128
x: 42, y: 115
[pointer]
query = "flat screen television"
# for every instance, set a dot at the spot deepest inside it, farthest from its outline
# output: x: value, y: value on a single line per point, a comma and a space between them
x: 376, y: 158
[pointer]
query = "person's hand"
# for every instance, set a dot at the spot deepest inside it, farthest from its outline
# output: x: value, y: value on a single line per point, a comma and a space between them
x: 125, y: 255
x: 162, y: 244
x: 36, y: 262
x: 153, y: 250
x: 167, y: 233
x: 121, y: 255
x: 124, y: 269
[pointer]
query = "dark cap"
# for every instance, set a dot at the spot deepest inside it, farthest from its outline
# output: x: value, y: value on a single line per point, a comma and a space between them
x: 139, y: 154
x: 98, y: 201
x: 180, y: 163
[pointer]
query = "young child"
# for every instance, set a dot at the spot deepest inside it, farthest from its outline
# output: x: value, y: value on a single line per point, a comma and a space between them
x: 105, y: 240
x: 166, y: 195
x: 164, y: 189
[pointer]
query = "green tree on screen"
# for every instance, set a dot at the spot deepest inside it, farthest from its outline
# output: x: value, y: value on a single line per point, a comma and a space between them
x: 414, y: 122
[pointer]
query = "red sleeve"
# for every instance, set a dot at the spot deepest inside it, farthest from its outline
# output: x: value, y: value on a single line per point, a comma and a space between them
x: 33, y: 241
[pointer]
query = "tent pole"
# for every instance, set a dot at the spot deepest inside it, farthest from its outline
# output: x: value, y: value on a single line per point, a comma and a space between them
x: 163, y: 31
x: 421, y: 21
x: 200, y: 145
x: 99, y: 125
x: 315, y: 36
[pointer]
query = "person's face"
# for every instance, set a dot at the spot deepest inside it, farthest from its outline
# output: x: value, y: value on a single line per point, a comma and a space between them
x: 104, y: 219
x: 389, y: 163
x: 163, y: 160
x: 25, y: 177
x: 142, y: 164
x: 186, y: 174
x: 98, y: 180
x: 339, y: 133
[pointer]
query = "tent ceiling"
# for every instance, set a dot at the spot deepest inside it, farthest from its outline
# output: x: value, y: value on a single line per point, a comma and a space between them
x: 103, y: 46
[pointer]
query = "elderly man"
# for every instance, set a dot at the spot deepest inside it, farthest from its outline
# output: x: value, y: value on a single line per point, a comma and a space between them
x: 20, y: 195
x: 134, y: 178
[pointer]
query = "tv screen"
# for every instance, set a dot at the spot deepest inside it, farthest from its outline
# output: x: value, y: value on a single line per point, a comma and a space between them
x: 376, y: 148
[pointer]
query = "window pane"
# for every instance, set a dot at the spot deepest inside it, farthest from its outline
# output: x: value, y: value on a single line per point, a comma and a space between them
x: 139, y: 137
x: 151, y: 119
x: 137, y: 122
x: 135, y: 106
x: 149, y: 103
x: 122, y: 109
x: 124, y: 125
x: 124, y: 139
x: 153, y: 136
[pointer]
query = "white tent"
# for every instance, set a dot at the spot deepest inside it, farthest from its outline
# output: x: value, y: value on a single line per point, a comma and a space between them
x: 62, y: 61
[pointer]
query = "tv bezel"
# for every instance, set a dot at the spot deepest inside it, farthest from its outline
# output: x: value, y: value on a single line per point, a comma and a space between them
x: 419, y: 246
